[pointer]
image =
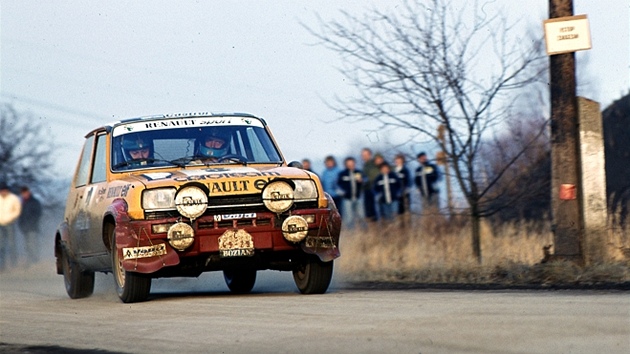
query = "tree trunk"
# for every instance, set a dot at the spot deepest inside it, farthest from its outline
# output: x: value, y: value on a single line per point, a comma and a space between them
x: 475, y: 220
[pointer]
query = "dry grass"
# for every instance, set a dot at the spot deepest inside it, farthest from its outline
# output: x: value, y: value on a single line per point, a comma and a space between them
x: 437, y: 250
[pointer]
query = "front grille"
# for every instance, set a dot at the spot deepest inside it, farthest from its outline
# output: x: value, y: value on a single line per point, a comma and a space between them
x: 234, y: 201
x: 237, y: 223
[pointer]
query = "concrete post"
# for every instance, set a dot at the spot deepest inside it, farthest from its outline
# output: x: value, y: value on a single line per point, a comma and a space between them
x: 593, y: 181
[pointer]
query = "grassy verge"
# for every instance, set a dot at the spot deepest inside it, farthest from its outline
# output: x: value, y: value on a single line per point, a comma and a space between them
x: 438, y: 251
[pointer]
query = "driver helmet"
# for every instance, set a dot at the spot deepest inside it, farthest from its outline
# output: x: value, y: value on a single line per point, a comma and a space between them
x: 215, y: 144
x: 133, y: 144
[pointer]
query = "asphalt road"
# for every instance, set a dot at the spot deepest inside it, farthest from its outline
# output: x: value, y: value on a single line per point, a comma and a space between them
x: 199, y: 315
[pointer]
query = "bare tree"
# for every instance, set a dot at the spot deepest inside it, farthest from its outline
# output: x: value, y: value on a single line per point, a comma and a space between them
x: 524, y: 190
x: 26, y: 150
x: 427, y: 65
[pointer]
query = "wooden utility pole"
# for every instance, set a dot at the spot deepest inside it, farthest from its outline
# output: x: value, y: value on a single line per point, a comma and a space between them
x: 566, y: 174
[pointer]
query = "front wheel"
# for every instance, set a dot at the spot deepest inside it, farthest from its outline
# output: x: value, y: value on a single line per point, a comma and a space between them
x: 130, y: 286
x: 312, y: 276
x: 240, y: 281
x: 79, y: 283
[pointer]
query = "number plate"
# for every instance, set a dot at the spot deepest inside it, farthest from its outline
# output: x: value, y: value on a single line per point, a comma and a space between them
x: 236, y: 243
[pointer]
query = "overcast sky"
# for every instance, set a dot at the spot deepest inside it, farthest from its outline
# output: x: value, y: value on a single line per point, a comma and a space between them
x: 80, y: 64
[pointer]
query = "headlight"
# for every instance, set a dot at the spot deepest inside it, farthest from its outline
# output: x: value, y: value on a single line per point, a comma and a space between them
x: 294, y: 228
x: 305, y: 189
x: 181, y: 236
x: 159, y: 198
x: 191, y: 202
x: 278, y: 196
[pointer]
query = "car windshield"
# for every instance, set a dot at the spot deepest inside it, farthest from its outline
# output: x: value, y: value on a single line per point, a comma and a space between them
x: 190, y: 142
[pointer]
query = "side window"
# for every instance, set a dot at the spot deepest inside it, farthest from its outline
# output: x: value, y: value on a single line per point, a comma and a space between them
x: 83, y: 170
x: 99, y: 169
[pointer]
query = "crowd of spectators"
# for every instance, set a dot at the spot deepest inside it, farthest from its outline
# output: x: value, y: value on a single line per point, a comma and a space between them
x: 377, y: 189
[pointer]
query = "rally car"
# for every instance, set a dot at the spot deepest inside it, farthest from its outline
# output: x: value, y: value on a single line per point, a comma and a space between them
x: 178, y: 195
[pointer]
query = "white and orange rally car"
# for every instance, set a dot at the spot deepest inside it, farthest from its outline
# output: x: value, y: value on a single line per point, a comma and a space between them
x: 178, y: 195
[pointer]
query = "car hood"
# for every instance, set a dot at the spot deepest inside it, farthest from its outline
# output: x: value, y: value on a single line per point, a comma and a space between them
x: 222, y: 180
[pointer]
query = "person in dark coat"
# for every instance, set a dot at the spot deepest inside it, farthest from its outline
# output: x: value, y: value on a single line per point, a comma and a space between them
x: 387, y: 188
x: 370, y: 171
x: 351, y: 182
x: 405, y: 182
x: 29, y: 223
x: 427, y: 175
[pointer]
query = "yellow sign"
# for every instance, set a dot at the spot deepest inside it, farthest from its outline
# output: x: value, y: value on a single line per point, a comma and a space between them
x: 567, y: 34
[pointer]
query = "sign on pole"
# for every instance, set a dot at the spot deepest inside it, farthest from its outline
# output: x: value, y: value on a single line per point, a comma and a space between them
x: 567, y: 34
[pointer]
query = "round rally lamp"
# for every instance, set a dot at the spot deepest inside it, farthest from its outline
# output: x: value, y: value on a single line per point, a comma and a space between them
x: 278, y: 196
x: 294, y: 228
x: 181, y: 236
x: 191, y: 202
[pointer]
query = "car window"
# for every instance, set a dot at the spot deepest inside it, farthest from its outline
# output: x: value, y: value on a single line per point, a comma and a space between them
x: 81, y: 176
x: 99, y: 169
x: 174, y: 142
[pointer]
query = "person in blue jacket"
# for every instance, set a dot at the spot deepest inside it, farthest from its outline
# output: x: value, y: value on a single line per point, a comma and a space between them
x: 329, y: 179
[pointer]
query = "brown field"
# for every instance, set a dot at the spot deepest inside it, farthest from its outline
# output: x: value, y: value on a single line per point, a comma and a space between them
x: 436, y: 250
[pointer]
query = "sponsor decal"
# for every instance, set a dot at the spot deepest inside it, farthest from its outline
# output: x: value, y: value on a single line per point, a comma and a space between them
x: 235, y: 184
x: 236, y: 243
x: 144, y: 251
x: 175, y: 122
x: 118, y: 191
x: 235, y: 216
x: 319, y: 242
x: 221, y: 173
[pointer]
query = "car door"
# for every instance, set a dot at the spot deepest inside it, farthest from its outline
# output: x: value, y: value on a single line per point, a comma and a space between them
x: 95, y: 201
x: 78, y: 197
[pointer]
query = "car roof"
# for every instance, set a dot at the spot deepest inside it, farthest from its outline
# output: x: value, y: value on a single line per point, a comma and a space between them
x: 108, y: 127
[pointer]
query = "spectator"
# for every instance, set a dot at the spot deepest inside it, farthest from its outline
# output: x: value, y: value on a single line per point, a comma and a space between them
x: 426, y: 177
x: 351, y: 183
x: 29, y: 223
x: 387, y: 188
x: 402, y: 172
x: 329, y: 180
x: 306, y: 165
x: 10, y: 209
x: 370, y: 169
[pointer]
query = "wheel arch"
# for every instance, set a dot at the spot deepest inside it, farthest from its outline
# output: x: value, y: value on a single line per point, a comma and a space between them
x: 108, y: 224
x: 61, y: 237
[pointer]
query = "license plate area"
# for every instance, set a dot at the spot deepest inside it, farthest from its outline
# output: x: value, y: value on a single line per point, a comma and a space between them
x: 236, y: 243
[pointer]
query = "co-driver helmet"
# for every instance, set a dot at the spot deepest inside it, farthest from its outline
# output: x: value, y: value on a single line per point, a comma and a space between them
x: 214, y: 144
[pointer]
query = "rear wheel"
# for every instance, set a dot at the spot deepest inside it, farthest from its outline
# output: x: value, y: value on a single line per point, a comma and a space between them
x: 240, y: 281
x: 79, y: 283
x: 312, y: 276
x: 130, y: 286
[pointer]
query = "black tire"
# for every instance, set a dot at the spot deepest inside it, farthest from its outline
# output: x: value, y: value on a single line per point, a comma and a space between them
x: 312, y: 276
x: 240, y: 281
x: 79, y: 283
x: 130, y: 286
